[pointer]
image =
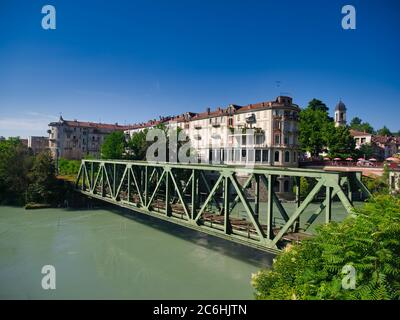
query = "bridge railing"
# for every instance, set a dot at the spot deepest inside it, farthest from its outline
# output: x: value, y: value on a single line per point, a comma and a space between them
x: 236, y: 203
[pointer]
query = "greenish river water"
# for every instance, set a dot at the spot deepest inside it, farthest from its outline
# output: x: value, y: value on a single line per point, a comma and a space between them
x: 113, y: 254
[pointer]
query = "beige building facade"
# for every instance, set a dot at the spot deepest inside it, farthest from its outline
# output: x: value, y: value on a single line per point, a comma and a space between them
x: 264, y: 133
x: 76, y: 139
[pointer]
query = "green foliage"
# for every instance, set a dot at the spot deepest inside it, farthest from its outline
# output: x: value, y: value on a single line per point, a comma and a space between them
x: 15, y: 163
x: 318, y: 131
x: 340, y: 143
x: 365, y: 151
x: 376, y: 184
x: 114, y: 146
x: 316, y: 104
x: 24, y: 177
x: 384, y: 132
x: 68, y: 167
x: 357, y: 124
x: 314, y: 127
x: 138, y: 145
x: 306, y: 185
x: 43, y: 183
x: 369, y: 241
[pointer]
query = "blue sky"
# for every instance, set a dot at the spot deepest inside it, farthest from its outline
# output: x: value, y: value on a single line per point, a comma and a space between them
x: 130, y: 61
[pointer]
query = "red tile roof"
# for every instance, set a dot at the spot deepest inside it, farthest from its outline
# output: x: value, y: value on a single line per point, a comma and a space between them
x: 86, y: 124
x: 356, y: 133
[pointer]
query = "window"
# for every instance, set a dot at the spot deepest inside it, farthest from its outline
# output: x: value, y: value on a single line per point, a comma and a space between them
x: 363, y: 140
x: 250, y: 155
x: 259, y: 139
x: 286, y: 140
x: 237, y: 155
x: 287, y: 156
x: 258, y: 155
x: 265, y: 155
x: 277, y: 139
x: 294, y: 156
x: 277, y: 124
x: 230, y: 122
x: 244, y: 153
x: 277, y: 156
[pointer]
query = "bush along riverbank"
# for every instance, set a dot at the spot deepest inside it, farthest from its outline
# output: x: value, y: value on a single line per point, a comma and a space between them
x: 355, y: 259
x: 30, y: 180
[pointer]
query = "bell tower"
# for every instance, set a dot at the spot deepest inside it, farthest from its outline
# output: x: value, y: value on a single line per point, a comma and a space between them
x: 340, y: 114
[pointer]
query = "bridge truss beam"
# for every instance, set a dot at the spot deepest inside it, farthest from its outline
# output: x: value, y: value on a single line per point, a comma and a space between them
x: 212, y: 199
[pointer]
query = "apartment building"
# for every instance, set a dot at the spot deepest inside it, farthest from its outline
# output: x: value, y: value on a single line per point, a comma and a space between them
x: 264, y: 133
x: 77, y: 139
x: 38, y: 144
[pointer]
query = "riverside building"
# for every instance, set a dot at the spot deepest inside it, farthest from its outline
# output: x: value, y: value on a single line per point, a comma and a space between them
x: 264, y: 133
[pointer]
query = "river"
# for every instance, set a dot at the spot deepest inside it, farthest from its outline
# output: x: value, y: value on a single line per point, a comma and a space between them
x: 114, y: 254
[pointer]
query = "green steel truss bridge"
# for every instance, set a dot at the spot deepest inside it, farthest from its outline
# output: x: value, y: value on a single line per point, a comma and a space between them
x: 234, y: 203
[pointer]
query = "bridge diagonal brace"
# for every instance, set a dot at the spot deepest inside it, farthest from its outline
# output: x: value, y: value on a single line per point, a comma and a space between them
x: 344, y: 199
x: 210, y: 196
x: 96, y: 179
x: 156, y: 189
x: 298, y: 211
x: 276, y: 200
x: 317, y: 212
x: 137, y: 185
x: 187, y: 183
x: 108, y: 181
x: 180, y: 194
x: 86, y: 176
x: 122, y: 181
x: 78, y: 175
x: 209, y: 190
x: 245, y: 185
x: 322, y: 207
x: 247, y: 207
x: 362, y: 186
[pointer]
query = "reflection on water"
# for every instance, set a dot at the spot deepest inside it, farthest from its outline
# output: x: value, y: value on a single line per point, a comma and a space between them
x: 118, y: 255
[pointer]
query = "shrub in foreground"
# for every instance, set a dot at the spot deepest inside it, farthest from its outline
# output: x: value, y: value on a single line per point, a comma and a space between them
x: 369, y: 241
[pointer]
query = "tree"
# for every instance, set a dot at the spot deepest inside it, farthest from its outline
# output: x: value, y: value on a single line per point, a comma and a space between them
x: 114, y: 146
x: 384, y: 132
x: 369, y: 242
x: 366, y: 151
x: 340, y: 143
x: 314, y: 125
x: 15, y: 163
x: 138, y: 145
x: 356, y: 121
x: 357, y: 124
x: 316, y: 104
x: 43, y: 183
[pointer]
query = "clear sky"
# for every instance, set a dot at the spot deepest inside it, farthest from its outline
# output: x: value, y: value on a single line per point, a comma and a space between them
x: 130, y: 61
